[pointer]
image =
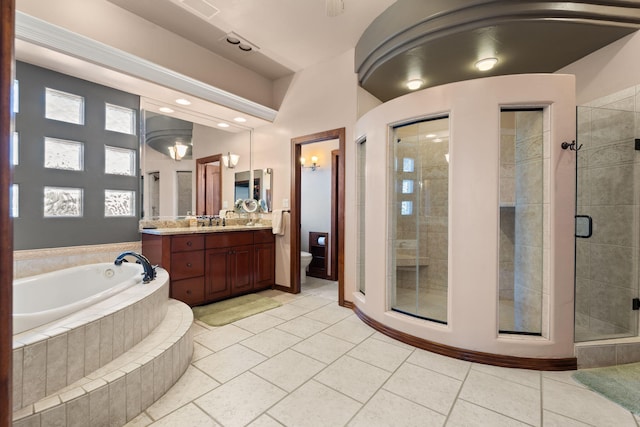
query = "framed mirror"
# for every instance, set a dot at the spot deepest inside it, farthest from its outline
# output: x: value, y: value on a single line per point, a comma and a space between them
x: 261, y: 190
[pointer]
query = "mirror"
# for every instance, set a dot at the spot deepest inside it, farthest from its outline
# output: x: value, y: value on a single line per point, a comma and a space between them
x: 169, y: 184
x: 262, y: 187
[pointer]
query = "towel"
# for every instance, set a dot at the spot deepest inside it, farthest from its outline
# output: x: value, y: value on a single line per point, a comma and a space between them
x: 277, y: 223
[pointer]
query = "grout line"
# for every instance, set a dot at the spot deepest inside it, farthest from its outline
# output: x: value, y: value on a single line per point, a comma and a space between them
x: 455, y: 400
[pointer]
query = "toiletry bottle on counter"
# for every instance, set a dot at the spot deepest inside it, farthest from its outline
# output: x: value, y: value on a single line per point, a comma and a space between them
x: 193, y: 220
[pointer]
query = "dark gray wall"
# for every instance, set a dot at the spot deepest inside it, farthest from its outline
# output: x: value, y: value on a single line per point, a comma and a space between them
x: 31, y: 229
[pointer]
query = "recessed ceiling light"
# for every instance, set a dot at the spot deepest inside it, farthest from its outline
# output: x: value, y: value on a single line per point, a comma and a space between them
x: 165, y: 109
x: 431, y: 135
x: 240, y: 119
x: 486, y: 64
x: 437, y: 140
x: 183, y: 101
x: 223, y: 125
x: 245, y: 47
x: 233, y: 40
x: 414, y: 84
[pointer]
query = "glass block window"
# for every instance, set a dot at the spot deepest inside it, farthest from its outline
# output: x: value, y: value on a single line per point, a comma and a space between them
x: 406, y: 207
x: 119, y: 161
x: 119, y: 203
x: 407, y: 186
x: 63, y: 106
x: 16, y: 96
x: 15, y: 197
x: 15, y: 144
x: 120, y: 119
x: 63, y: 154
x: 407, y: 164
x: 62, y: 202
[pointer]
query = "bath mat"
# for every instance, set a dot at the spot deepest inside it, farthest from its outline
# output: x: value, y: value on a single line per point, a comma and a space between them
x: 620, y: 384
x: 228, y: 311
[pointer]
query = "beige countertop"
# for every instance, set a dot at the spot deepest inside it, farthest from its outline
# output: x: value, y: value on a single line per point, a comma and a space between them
x: 200, y: 230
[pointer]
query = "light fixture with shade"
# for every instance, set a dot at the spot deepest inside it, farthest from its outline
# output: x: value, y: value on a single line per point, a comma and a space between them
x: 415, y: 84
x: 230, y: 160
x: 486, y: 64
x: 314, y: 163
x: 178, y: 151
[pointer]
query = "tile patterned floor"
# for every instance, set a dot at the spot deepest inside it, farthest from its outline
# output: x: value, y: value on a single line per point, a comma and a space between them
x: 313, y: 363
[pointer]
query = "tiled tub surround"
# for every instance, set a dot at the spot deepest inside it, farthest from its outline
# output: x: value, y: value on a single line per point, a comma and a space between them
x: 37, y: 261
x: 59, y: 354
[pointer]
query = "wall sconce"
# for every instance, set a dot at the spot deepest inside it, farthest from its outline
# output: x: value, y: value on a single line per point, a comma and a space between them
x: 314, y: 163
x: 230, y: 160
x: 178, y: 151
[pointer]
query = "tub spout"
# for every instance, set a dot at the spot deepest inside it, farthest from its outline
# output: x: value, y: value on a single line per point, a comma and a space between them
x: 149, y: 270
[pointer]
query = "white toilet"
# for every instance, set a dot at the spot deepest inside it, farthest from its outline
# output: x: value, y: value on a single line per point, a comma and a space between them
x: 305, y: 260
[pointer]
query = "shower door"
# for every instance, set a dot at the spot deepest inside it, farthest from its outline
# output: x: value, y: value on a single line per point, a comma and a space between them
x: 607, y: 191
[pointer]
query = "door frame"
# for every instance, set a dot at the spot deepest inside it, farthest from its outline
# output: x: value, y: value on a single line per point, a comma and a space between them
x: 339, y: 212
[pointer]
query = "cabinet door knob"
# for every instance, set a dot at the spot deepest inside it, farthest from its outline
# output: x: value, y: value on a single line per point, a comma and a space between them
x: 189, y: 243
x: 188, y: 291
x: 188, y: 264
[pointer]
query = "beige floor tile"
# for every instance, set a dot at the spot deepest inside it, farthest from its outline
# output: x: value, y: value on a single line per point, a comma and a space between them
x: 505, y: 397
x: 193, y: 384
x: 381, y: 354
x: 265, y: 421
x: 312, y: 302
x: 189, y: 415
x: 199, y: 351
x: 428, y: 388
x: 271, y: 342
x: 387, y: 409
x: 323, y: 347
x: 384, y: 338
x: 241, y: 400
x: 466, y: 414
x: 526, y: 377
x: 259, y: 322
x: 314, y: 404
x: 289, y: 369
x: 551, y: 419
x: 230, y: 362
x: 563, y: 376
x: 141, y: 420
x: 449, y: 366
x: 302, y: 326
x: 350, y: 331
x: 583, y: 405
x: 198, y: 328
x: 222, y: 337
x: 352, y: 377
x: 329, y: 314
x: 288, y: 311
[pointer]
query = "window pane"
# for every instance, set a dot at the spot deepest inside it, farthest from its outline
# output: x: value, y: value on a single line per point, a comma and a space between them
x: 64, y: 106
x: 15, y: 196
x: 521, y: 222
x: 120, y: 119
x: 62, y: 154
x: 15, y: 144
x: 119, y: 161
x: 16, y: 96
x: 119, y: 203
x: 62, y: 202
x: 419, y: 226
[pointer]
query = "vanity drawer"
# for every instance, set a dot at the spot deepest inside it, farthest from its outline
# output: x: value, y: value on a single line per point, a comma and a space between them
x: 230, y: 238
x: 187, y: 243
x: 263, y: 236
x: 187, y: 264
x: 189, y: 291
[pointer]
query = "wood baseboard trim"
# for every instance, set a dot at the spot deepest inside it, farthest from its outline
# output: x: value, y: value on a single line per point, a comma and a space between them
x: 283, y: 288
x: 539, y: 364
x: 349, y: 304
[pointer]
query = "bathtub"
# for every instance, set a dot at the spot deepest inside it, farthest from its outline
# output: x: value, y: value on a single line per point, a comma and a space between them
x: 41, y: 299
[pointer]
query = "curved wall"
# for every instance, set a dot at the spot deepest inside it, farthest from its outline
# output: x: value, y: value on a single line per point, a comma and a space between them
x: 474, y: 111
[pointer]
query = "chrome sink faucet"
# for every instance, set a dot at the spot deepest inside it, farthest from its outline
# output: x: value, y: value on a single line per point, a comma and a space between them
x: 149, y: 270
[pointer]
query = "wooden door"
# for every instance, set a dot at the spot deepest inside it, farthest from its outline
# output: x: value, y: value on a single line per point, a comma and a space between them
x: 213, y: 197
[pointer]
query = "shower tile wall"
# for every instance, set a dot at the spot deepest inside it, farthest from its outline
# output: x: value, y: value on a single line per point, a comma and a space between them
x: 608, y: 191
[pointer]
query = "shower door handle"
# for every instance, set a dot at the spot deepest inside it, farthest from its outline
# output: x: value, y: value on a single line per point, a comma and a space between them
x: 584, y: 226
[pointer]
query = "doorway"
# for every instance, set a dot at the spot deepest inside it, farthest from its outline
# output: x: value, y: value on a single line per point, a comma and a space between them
x: 209, y: 185
x: 337, y: 210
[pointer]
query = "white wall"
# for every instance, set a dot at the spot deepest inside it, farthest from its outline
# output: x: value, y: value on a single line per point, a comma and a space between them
x: 473, y: 223
x: 608, y: 70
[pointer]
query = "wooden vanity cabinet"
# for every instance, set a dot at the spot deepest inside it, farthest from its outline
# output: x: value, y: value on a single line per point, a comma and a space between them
x: 207, y: 267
